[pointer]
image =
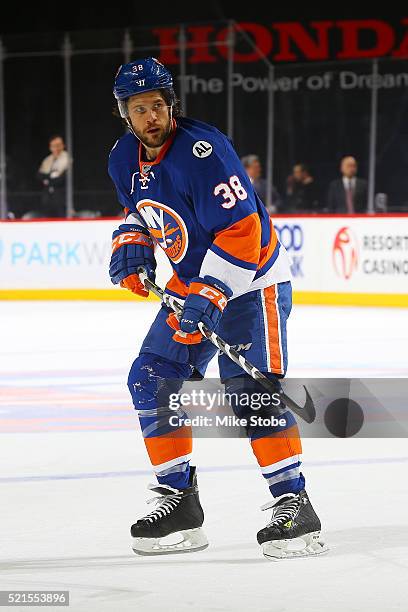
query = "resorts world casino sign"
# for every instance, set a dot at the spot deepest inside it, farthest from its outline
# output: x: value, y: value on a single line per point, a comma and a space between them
x: 288, y: 41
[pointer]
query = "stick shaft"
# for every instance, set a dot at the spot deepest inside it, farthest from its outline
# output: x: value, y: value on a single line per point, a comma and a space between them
x: 307, y: 412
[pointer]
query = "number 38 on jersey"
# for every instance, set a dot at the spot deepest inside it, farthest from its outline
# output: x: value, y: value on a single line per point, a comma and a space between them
x: 231, y: 191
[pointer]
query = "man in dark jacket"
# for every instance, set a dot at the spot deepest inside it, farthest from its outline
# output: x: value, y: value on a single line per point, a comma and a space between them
x: 301, y: 191
x: 348, y: 194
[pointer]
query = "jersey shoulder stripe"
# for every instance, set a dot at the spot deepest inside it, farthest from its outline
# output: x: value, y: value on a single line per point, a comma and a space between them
x: 242, y: 239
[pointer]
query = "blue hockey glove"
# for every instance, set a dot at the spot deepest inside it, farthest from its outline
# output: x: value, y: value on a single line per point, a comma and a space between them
x: 132, y: 247
x: 205, y: 302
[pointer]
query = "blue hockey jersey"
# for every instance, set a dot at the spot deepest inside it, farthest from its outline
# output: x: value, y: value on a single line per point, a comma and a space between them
x: 200, y: 208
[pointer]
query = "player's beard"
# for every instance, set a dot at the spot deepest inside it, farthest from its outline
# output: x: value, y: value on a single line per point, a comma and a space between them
x: 154, y: 141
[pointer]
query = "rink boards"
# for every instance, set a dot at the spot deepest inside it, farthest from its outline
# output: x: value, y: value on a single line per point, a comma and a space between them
x: 341, y: 260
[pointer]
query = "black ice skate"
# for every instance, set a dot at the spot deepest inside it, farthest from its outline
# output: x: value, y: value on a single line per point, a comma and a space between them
x: 294, y: 529
x: 178, y: 513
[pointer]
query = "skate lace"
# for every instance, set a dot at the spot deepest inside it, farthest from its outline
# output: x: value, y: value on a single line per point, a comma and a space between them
x: 284, y: 509
x: 165, y: 504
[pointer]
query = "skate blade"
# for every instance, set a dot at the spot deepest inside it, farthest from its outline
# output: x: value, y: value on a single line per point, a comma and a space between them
x: 192, y: 541
x: 308, y: 545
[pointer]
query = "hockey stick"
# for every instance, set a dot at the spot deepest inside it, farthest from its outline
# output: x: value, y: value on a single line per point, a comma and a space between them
x: 306, y: 412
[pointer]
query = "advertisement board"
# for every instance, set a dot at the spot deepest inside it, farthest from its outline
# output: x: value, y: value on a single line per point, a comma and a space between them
x: 356, y: 260
x: 62, y: 260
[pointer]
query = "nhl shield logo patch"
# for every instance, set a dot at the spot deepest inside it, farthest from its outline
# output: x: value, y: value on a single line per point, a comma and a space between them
x: 202, y: 149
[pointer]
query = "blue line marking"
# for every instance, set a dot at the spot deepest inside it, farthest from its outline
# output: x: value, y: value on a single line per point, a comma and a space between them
x: 215, y: 468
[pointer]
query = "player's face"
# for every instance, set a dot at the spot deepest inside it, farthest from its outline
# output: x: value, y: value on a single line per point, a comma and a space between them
x: 150, y: 118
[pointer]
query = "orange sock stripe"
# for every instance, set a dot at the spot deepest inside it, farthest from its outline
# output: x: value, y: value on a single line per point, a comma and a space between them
x: 169, y: 446
x: 277, y: 446
x: 273, y: 339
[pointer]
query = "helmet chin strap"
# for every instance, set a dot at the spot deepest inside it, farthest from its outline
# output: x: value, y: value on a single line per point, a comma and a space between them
x: 130, y: 127
x: 122, y: 107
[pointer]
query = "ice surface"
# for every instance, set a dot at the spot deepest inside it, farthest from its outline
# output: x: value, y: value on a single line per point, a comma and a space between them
x: 74, y: 470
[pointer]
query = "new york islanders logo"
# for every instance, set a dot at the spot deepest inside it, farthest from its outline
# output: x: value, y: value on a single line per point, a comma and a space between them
x: 167, y: 228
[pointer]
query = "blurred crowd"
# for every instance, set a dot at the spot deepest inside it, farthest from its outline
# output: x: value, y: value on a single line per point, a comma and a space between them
x: 347, y: 194
x: 301, y: 193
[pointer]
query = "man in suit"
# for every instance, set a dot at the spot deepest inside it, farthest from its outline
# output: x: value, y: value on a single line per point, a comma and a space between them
x: 349, y: 193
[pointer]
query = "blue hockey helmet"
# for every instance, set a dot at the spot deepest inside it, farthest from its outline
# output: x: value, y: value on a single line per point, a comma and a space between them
x: 138, y: 77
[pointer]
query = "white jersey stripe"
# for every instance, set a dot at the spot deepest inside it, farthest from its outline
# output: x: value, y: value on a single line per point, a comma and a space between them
x: 236, y: 278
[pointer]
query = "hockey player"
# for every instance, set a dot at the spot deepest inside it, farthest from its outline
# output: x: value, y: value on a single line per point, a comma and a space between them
x: 184, y: 189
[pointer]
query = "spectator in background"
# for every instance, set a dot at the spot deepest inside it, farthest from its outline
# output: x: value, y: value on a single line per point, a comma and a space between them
x: 52, y: 174
x: 349, y: 193
x: 301, y: 191
x: 253, y: 167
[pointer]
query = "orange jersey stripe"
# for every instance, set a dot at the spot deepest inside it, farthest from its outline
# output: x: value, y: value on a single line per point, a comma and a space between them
x: 177, y: 286
x: 169, y: 446
x: 273, y: 330
x: 278, y: 446
x: 242, y: 239
x: 266, y: 251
